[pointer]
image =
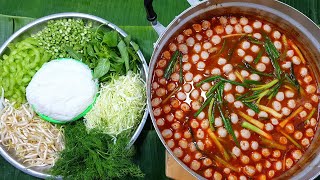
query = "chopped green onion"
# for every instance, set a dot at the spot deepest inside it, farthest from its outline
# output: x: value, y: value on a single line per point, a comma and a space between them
x: 252, y: 106
x: 311, y: 114
x: 209, y: 79
x: 169, y: 69
x: 256, y: 60
x: 253, y: 70
x: 223, y: 47
x: 252, y: 82
x: 254, y: 40
x: 274, y: 54
x: 228, y: 126
x: 214, y: 88
x: 220, y: 93
x: 231, y: 51
x: 180, y: 71
x: 206, y: 102
x: 251, y: 120
x: 212, y: 107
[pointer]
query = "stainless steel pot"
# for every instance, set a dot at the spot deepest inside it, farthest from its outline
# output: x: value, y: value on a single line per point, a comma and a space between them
x: 34, y: 27
x: 288, y: 19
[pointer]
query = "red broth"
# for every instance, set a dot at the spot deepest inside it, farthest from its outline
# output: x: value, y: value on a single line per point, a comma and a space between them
x: 241, y: 55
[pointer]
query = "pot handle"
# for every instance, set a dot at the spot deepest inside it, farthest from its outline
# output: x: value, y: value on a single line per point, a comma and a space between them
x: 152, y: 15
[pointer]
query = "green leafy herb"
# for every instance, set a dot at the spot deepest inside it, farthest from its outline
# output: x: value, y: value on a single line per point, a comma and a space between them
x: 111, y: 38
x: 94, y: 155
x: 108, y: 44
x: 102, y: 68
x: 74, y: 54
x: 124, y: 54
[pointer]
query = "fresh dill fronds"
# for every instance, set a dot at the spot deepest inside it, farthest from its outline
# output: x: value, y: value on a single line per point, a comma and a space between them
x: 95, y: 155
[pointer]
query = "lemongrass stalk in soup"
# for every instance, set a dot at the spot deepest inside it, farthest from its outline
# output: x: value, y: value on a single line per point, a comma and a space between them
x: 62, y: 89
x: 247, y: 93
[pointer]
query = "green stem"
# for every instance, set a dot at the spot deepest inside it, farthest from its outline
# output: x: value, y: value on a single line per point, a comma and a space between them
x: 169, y: 69
x: 206, y: 102
x: 212, y: 106
x: 228, y: 126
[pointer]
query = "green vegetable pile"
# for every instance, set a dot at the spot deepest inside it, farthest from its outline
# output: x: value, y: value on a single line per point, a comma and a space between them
x: 94, y: 156
x: 59, y: 35
x: 18, y: 67
x: 108, y: 54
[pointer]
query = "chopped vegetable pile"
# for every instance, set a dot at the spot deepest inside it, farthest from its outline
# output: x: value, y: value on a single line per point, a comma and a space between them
x: 118, y: 109
x: 60, y: 35
x: 18, y: 67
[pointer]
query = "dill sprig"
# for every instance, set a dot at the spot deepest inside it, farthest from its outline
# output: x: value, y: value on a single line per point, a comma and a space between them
x: 95, y: 155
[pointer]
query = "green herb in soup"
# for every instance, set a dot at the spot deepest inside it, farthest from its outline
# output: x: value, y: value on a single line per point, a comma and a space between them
x: 247, y: 105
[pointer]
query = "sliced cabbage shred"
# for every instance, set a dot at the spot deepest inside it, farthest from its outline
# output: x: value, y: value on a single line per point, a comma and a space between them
x: 119, y: 107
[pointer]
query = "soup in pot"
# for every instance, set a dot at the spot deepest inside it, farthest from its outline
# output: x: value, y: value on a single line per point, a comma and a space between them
x: 234, y: 98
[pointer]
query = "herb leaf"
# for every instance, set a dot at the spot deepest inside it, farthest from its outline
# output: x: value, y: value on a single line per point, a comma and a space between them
x: 111, y: 38
x: 102, y: 68
x: 73, y: 53
x: 124, y: 54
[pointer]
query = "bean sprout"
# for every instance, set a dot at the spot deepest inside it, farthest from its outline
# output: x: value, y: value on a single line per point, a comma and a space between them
x: 34, y: 141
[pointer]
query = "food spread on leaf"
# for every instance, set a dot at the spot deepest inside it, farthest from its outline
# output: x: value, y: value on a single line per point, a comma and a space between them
x: 234, y: 98
x: 62, y: 89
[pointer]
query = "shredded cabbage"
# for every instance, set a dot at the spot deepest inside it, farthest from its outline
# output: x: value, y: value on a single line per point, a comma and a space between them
x: 119, y: 107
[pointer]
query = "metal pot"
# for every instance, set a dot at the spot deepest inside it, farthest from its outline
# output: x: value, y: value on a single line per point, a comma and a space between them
x: 287, y: 18
x: 35, y: 26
